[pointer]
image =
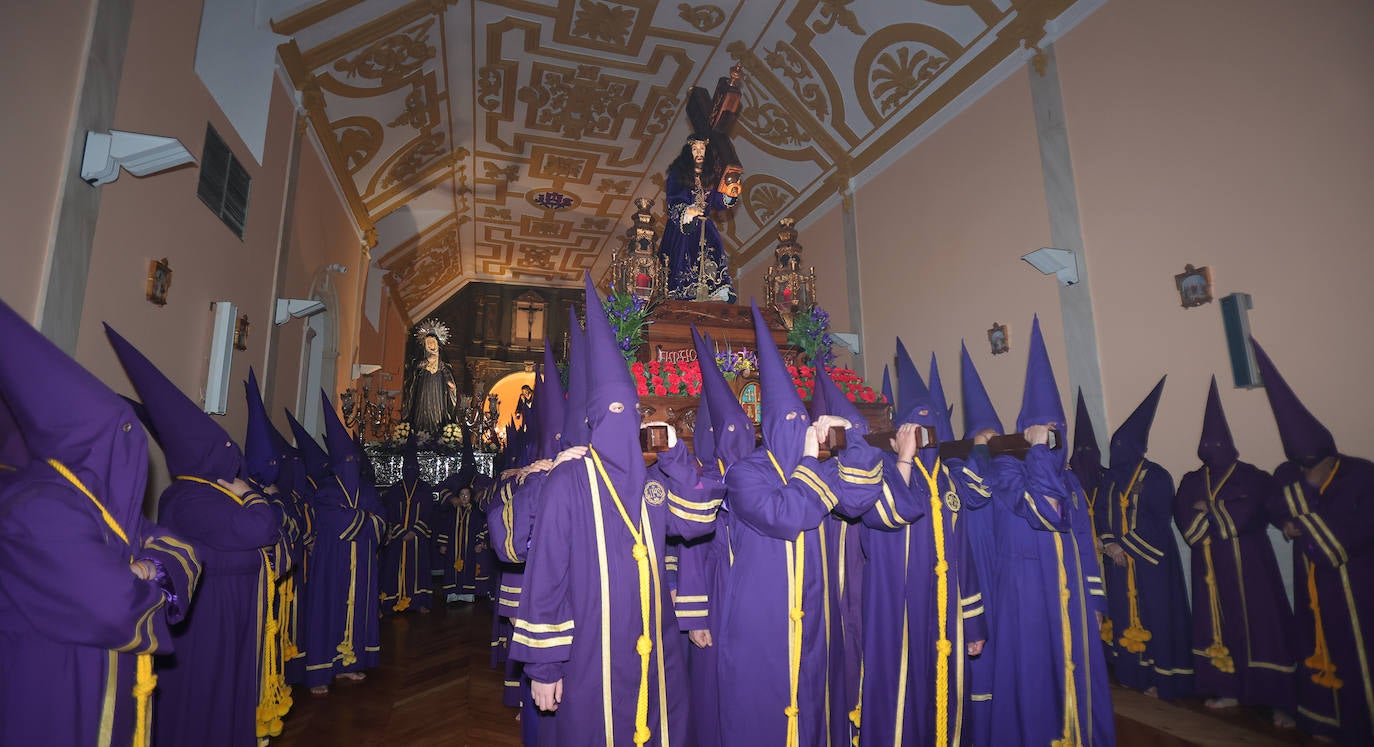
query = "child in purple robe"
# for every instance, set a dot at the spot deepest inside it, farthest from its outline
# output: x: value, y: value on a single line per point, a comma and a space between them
x: 1050, y: 681
x: 88, y: 586
x: 464, y: 529
x: 1241, y: 617
x: 211, y: 686
x: 1150, y: 631
x: 341, y: 601
x: 405, y: 576
x: 1322, y: 505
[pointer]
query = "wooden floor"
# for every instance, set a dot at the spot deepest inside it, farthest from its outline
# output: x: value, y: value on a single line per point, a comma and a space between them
x: 435, y: 687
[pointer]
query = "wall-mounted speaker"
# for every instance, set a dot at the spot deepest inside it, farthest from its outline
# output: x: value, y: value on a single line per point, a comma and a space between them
x: 1235, y: 317
x: 221, y: 356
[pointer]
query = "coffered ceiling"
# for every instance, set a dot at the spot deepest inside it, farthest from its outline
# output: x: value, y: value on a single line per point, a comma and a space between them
x: 505, y: 140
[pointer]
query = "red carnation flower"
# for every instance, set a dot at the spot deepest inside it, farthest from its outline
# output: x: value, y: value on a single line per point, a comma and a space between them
x: 638, y: 367
x: 660, y: 391
x: 801, y: 392
x: 868, y: 395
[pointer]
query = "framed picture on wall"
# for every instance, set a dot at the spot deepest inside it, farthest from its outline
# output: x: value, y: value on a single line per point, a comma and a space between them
x: 241, y: 333
x: 1194, y: 286
x: 999, y: 339
x: 159, y: 281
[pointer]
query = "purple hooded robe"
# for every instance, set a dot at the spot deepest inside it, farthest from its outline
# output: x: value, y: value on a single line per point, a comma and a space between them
x: 210, y: 687
x: 1151, y: 631
x: 1049, y: 668
x: 592, y: 609
x: 405, y: 575
x: 341, y: 632
x: 1241, y: 617
x: 1333, y: 558
x: 775, y: 631
x: 77, y: 627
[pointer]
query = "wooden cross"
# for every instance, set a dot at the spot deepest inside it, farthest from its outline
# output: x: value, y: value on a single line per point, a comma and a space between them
x: 715, y: 116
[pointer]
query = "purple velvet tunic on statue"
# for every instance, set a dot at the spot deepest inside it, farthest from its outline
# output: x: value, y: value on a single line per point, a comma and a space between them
x: 681, y: 244
x: 1241, y: 617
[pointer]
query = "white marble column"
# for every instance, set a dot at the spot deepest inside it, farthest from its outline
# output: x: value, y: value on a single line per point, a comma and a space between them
x: 1061, y: 197
x: 854, y: 296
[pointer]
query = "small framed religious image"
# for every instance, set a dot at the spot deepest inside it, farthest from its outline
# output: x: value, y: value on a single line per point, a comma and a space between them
x: 1194, y: 286
x: 159, y: 281
x: 999, y: 338
x: 241, y: 333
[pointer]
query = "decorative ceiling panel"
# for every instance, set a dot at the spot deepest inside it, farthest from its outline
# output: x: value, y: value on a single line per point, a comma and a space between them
x: 531, y: 125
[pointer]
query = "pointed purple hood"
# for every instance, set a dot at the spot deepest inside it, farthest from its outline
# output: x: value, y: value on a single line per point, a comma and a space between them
x: 784, y: 416
x: 1131, y: 440
x: 820, y: 396
x: 194, y: 444
x: 703, y: 436
x: 1040, y: 403
x: 575, y: 431
x: 732, y: 430
x: 313, y: 456
x: 837, y: 403
x: 944, y: 427
x: 1216, y: 448
x: 917, y: 404
x: 1086, y: 461
x: 548, y: 408
x: 261, y: 457
x: 93, y: 431
x: 887, y: 388
x: 979, y: 413
x: 612, y: 402
x: 343, y: 453
x: 1306, y: 441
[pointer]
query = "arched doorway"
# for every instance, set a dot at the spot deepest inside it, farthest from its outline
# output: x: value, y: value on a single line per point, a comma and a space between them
x: 507, y: 389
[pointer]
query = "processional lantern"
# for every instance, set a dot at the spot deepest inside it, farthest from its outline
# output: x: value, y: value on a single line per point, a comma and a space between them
x: 788, y: 290
x: 637, y: 269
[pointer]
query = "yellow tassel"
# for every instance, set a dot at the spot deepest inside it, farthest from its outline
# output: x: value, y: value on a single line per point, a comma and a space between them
x: 1320, y: 660
x: 1219, y: 655
x: 1135, y: 635
x: 144, y: 684
x: 943, y: 647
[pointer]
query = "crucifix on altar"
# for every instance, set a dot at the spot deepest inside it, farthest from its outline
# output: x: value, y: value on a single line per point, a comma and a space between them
x: 705, y: 177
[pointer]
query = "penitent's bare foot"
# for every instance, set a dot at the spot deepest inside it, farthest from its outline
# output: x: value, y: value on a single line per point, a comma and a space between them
x: 1153, y: 692
x: 424, y: 610
x: 352, y: 676
x: 319, y: 690
x: 1218, y: 704
x: 1283, y: 720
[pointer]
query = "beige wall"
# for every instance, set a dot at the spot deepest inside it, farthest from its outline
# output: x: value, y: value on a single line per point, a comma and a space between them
x: 1243, y: 144
x: 941, y: 234
x: 1191, y: 143
x: 44, y: 49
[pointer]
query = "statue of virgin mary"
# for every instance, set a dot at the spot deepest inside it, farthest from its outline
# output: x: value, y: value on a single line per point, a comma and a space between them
x: 431, y: 392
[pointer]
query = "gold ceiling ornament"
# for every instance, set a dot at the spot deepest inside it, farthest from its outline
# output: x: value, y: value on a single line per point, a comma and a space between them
x: 895, y: 78
x: 359, y: 138
x: 595, y: 224
x: 578, y: 102
x: 836, y: 12
x: 421, y: 108
x: 765, y: 197
x: 616, y: 186
x: 412, y: 160
x: 787, y: 60
x: 393, y: 57
x: 506, y: 173
x: 702, y: 17
x: 786, y: 288
x: 496, y: 213
x: 491, y: 86
x: 538, y: 256
x: 606, y: 22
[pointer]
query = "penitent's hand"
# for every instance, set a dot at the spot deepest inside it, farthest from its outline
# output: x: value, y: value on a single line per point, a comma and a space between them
x: 144, y: 569
x: 700, y: 638
x: 812, y: 445
x: 1116, y: 553
x: 907, y: 442
x: 547, y: 695
x: 975, y: 648
x: 569, y: 454
x: 238, y: 487
x: 1037, y: 435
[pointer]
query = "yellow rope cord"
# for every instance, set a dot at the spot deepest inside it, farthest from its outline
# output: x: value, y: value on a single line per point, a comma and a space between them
x: 145, y: 681
x: 402, y: 598
x: 1320, y: 659
x: 794, y: 627
x: 269, y: 694
x: 215, y: 485
x: 645, y: 645
x: 1134, y: 637
x: 943, y: 647
x: 1218, y: 653
x: 345, y: 647
x: 1072, y: 730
